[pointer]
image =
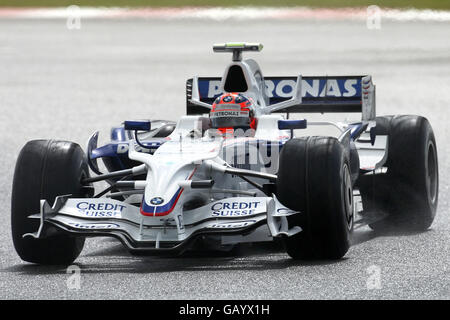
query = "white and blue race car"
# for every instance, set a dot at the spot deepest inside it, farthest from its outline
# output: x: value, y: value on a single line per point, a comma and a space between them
x: 173, y: 185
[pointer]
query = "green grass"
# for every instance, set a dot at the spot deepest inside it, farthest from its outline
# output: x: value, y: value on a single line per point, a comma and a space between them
x: 433, y: 4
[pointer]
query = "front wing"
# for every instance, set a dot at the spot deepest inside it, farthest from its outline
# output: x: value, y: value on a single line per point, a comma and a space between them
x: 107, y: 217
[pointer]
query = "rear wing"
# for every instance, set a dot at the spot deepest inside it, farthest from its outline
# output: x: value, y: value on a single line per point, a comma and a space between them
x: 319, y: 94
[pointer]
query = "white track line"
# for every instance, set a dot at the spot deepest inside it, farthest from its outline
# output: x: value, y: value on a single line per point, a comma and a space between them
x: 221, y: 13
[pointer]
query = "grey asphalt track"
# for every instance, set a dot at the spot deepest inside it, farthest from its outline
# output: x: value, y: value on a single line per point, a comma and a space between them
x: 57, y: 83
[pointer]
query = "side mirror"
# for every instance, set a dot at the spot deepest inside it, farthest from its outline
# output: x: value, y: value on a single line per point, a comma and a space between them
x: 137, y: 125
x: 292, y: 124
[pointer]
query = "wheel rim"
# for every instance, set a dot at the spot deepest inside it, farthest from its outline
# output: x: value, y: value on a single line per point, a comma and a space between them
x: 432, y: 173
x: 347, y: 196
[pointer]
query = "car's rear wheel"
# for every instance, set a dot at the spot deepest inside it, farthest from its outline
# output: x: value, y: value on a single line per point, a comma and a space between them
x: 314, y: 179
x: 46, y: 169
x: 408, y: 191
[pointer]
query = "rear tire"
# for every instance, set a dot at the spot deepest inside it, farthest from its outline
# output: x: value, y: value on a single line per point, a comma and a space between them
x: 408, y: 191
x: 46, y: 169
x: 314, y: 178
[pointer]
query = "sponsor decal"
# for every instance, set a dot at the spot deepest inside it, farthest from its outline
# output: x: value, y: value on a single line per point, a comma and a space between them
x: 123, y: 148
x: 284, y: 88
x: 225, y: 114
x: 157, y: 201
x: 232, y: 224
x: 227, y: 99
x: 94, y: 226
x: 100, y: 209
x: 232, y: 209
x: 240, y: 99
x: 285, y: 211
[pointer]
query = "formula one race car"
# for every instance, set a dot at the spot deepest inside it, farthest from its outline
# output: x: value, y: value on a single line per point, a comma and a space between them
x: 235, y: 169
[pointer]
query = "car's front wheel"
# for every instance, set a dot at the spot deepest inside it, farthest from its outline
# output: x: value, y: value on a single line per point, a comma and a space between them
x: 314, y: 178
x: 46, y: 169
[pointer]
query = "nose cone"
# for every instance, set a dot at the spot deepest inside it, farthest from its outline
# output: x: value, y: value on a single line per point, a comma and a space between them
x: 158, y: 206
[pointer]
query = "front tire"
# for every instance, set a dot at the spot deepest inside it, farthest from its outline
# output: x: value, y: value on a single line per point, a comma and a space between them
x: 314, y: 178
x: 46, y: 169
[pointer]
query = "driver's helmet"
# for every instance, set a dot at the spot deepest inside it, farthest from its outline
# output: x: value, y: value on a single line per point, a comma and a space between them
x: 232, y: 111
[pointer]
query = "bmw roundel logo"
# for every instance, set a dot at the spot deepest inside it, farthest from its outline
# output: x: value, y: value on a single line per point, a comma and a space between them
x: 240, y: 98
x: 157, y: 200
x: 227, y: 99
